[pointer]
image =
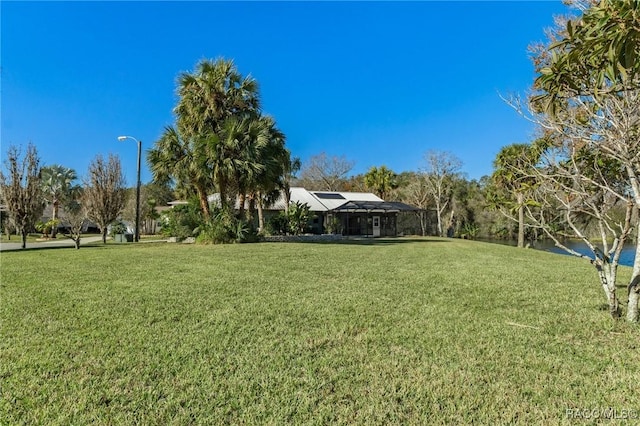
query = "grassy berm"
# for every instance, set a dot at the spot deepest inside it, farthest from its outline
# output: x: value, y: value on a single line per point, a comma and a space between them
x: 399, y: 331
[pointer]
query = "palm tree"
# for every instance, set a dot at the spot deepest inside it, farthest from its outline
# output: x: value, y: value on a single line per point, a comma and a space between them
x: 277, y: 165
x: 57, y: 186
x: 212, y: 146
x: 381, y: 180
x: 182, y: 160
x: 213, y: 93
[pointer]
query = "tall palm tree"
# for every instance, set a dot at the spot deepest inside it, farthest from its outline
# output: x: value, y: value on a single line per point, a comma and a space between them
x: 213, y: 93
x: 267, y: 185
x: 57, y: 185
x: 211, y: 146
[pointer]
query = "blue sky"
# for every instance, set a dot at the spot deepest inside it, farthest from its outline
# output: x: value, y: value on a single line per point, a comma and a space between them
x: 376, y: 82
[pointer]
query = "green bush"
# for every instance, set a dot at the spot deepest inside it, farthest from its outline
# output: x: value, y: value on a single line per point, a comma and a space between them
x: 298, y: 218
x: 181, y: 221
x: 46, y: 227
x: 226, y: 228
x: 118, y: 228
x: 278, y: 225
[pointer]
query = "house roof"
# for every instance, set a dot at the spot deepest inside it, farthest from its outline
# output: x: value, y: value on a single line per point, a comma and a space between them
x: 324, y: 201
x: 374, y: 206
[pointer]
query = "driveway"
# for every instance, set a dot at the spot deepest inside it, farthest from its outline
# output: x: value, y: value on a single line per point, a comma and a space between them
x: 62, y: 242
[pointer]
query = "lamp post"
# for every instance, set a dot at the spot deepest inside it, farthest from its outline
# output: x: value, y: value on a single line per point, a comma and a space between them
x: 136, y: 236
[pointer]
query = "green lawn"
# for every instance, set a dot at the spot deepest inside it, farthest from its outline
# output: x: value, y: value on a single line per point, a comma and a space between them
x: 31, y: 238
x: 423, y: 331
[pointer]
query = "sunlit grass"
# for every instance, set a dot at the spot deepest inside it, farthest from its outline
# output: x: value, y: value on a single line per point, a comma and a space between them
x: 425, y: 331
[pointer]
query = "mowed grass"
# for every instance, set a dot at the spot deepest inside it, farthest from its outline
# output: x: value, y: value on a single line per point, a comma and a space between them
x: 404, y: 331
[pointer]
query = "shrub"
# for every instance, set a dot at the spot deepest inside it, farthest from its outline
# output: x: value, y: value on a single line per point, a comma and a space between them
x: 298, y: 218
x: 181, y: 221
x: 118, y: 228
x: 46, y: 227
x: 278, y: 225
x: 226, y: 228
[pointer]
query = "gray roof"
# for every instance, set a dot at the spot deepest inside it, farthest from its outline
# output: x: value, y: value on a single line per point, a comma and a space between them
x: 375, y: 206
x: 324, y: 201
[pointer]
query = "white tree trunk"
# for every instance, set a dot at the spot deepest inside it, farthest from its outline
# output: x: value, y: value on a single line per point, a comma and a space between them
x: 438, y: 211
x: 608, y: 274
x: 520, y: 220
x: 260, y: 214
x: 634, y: 286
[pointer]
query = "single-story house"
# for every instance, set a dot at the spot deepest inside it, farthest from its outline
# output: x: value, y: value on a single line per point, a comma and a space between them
x: 347, y: 213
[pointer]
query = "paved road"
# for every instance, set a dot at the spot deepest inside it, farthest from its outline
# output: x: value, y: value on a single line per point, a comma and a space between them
x: 60, y: 242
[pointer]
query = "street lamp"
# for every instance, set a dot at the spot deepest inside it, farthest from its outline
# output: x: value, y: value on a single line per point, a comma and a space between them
x: 136, y: 236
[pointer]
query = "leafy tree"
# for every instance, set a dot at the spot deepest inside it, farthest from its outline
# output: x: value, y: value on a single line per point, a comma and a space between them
x: 588, y: 91
x: 512, y: 181
x: 468, y: 202
x: 586, y: 190
x: 21, y: 189
x: 381, y: 180
x: 57, y: 184
x: 595, y: 55
x: 104, y: 193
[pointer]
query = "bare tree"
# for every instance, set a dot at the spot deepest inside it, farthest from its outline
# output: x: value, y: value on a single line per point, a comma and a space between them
x: 440, y: 169
x: 417, y: 194
x: 105, y: 192
x: 324, y: 173
x: 74, y: 220
x: 590, y: 195
x: 21, y: 189
x: 588, y: 91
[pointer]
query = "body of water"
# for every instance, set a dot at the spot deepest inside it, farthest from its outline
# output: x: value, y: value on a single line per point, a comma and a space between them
x: 626, y: 257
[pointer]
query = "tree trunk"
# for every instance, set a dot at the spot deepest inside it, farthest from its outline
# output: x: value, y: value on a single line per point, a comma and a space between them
x: 607, y: 273
x: 260, y: 214
x: 440, y: 233
x: 204, y: 203
x: 422, y: 216
x: 77, y: 242
x: 450, y: 225
x: 104, y: 235
x: 287, y: 198
x: 634, y: 297
x: 633, y: 290
x: 54, y: 214
x: 242, y: 197
x: 24, y: 237
x: 520, y: 220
